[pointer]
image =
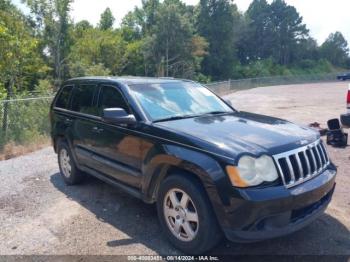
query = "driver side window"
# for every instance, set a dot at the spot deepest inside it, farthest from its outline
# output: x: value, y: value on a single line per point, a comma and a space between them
x: 110, y: 97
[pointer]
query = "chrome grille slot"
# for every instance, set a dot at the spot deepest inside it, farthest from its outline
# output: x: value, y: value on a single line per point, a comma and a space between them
x: 299, y: 165
x: 312, y: 161
x: 324, y: 152
x: 302, y: 163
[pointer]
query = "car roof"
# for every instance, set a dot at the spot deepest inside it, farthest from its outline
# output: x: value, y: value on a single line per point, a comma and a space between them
x: 128, y: 80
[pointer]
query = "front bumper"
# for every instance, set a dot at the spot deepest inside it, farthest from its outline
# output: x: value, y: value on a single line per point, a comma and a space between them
x: 276, y: 211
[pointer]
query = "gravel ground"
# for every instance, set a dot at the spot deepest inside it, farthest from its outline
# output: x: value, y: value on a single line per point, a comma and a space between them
x: 40, y: 215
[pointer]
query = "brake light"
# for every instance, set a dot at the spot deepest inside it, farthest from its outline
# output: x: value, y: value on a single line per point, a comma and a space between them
x: 348, y: 98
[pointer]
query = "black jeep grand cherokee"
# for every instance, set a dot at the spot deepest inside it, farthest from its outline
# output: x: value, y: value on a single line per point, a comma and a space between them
x: 210, y: 168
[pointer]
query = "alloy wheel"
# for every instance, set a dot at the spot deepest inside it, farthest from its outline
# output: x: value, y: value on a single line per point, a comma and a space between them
x: 65, y: 163
x: 181, y: 215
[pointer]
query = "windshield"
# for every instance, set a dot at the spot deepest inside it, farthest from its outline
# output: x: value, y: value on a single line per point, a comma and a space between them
x: 163, y: 101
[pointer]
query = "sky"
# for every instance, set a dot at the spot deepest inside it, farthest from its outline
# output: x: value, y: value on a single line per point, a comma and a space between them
x: 322, y: 17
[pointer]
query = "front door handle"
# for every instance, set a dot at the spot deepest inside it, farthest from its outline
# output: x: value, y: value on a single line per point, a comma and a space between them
x: 68, y: 121
x: 95, y: 129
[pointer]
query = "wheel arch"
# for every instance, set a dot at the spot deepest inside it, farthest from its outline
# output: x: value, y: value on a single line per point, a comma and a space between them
x: 199, y: 166
x: 55, y: 141
x: 164, y: 171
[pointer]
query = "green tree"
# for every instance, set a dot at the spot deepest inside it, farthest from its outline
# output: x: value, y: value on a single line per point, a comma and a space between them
x: 107, y: 20
x: 20, y: 60
x: 275, y: 30
x: 255, y: 43
x: 104, y: 52
x: 146, y: 15
x: 335, y: 49
x: 169, y: 51
x: 130, y: 27
x: 217, y: 22
x: 52, y: 25
x: 308, y: 49
x: 83, y: 25
x: 289, y: 31
x: 134, y: 58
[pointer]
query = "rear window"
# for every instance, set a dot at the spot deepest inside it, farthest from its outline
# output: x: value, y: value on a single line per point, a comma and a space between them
x: 63, y: 98
x: 82, y: 99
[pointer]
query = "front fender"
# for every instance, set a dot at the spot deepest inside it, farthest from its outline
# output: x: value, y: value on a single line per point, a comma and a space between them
x: 161, y: 158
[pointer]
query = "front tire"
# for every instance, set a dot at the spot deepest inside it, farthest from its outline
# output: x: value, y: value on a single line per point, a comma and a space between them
x: 186, y: 215
x: 69, y: 171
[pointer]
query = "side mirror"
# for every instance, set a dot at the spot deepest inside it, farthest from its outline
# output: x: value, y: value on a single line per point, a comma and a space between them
x: 118, y: 116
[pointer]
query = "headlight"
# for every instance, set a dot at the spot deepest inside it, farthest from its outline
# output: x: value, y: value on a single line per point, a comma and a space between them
x: 252, y: 171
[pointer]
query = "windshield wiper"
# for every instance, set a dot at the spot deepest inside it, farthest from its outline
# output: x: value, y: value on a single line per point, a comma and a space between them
x: 190, y: 116
x: 174, y: 118
x: 217, y: 113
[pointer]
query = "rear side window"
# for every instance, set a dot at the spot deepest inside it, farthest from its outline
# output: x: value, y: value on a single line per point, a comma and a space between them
x: 110, y: 97
x: 82, y: 99
x: 63, y: 98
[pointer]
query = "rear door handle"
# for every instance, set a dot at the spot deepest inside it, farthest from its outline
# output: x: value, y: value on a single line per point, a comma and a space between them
x: 68, y: 121
x: 95, y: 129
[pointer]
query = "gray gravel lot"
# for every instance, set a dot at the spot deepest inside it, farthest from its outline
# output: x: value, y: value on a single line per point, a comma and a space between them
x: 40, y: 215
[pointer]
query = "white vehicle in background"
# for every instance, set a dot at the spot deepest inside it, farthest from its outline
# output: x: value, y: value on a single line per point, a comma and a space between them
x: 345, y: 118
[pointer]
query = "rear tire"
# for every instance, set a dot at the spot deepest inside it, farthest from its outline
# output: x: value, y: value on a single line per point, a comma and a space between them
x: 186, y: 215
x: 69, y: 171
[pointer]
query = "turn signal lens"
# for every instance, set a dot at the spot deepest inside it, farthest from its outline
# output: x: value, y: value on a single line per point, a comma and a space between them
x: 233, y: 174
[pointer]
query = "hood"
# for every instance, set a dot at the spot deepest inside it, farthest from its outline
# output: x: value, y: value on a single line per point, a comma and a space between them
x: 244, y: 132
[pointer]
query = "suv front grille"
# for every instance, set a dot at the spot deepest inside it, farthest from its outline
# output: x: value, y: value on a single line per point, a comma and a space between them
x: 302, y: 164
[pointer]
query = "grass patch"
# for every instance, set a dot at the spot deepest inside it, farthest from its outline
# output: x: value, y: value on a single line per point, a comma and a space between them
x: 11, y: 149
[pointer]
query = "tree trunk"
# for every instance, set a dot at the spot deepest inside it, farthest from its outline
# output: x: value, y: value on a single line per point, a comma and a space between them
x: 58, y: 62
x: 8, y: 87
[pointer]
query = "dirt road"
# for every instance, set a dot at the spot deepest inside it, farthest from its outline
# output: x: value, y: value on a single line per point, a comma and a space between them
x: 40, y: 215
